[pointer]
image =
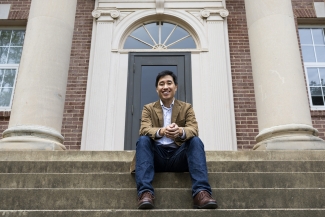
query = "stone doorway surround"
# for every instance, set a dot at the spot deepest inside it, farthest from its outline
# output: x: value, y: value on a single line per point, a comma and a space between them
x: 105, y: 107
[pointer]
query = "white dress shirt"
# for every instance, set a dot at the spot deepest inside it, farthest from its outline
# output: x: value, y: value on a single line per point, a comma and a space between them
x: 164, y: 141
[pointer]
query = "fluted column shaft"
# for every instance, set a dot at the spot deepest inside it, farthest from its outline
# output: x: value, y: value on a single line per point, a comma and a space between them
x: 282, y: 106
x: 37, y: 111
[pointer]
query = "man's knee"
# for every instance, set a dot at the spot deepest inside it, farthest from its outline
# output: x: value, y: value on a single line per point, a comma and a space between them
x: 144, y: 142
x: 196, y: 141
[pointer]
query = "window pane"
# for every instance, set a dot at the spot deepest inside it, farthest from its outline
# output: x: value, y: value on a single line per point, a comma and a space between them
x: 153, y: 29
x: 177, y: 34
x: 308, y: 53
x: 132, y: 43
x: 17, y: 38
x: 166, y: 29
x: 313, y: 77
x: 14, y: 55
x: 9, y: 78
x: 2, y: 71
x: 320, y: 53
x: 186, y: 43
x: 3, y: 55
x: 322, y: 75
x: 5, y: 37
x: 5, y: 96
x: 316, y: 91
x: 317, y: 100
x: 305, y: 36
x: 318, y: 36
x: 142, y: 34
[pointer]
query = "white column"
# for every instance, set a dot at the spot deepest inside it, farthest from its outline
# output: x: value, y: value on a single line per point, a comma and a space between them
x: 282, y: 106
x: 37, y: 111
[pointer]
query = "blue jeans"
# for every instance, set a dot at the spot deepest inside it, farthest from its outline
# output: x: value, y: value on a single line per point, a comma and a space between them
x: 151, y: 158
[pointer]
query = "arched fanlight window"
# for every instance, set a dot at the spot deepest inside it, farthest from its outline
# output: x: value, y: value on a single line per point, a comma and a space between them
x: 159, y: 35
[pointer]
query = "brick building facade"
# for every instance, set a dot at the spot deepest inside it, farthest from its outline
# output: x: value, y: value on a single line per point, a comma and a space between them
x: 240, y: 60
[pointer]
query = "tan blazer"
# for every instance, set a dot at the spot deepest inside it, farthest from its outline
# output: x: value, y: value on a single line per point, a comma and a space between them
x: 153, y: 119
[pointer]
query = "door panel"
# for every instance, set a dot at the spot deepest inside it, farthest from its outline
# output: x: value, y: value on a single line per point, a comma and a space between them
x: 143, y: 69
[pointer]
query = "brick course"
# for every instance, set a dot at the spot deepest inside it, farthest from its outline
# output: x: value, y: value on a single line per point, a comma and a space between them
x: 243, y: 86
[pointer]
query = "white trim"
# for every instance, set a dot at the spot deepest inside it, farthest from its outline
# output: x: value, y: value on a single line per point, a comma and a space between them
x: 89, y: 82
x: 312, y: 65
x: 10, y: 66
x: 182, y: 18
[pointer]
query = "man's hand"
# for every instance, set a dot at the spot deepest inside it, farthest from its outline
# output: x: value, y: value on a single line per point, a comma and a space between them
x: 172, y: 131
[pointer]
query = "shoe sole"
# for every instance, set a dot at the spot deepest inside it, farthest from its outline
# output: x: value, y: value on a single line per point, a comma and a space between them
x: 146, y: 205
x: 207, y: 206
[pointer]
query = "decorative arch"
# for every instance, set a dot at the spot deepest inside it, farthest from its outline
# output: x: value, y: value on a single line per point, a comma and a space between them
x: 184, y: 19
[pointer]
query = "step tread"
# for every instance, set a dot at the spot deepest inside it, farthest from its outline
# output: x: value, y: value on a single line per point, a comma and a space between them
x: 128, y: 155
x: 168, y: 212
x: 181, y: 198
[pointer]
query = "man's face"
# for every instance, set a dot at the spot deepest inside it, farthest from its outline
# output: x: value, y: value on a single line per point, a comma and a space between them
x: 166, y: 88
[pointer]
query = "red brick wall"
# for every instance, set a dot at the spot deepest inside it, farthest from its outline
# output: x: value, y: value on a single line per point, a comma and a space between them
x: 304, y: 8
x: 77, y: 80
x: 243, y: 86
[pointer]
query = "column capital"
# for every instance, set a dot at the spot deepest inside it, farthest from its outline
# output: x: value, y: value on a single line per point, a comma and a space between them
x: 98, y: 13
x: 222, y: 12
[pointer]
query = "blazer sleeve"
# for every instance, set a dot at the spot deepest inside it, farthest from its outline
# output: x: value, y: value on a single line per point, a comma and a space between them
x: 190, y: 126
x: 147, y: 126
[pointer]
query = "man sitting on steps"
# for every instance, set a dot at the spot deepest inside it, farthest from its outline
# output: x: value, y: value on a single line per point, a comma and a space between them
x: 168, y: 143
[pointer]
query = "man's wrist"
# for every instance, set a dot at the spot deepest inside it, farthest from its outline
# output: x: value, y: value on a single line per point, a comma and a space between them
x: 162, y: 132
x: 180, y: 131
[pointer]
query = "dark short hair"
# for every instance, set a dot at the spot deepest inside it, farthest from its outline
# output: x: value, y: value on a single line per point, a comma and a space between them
x: 164, y: 73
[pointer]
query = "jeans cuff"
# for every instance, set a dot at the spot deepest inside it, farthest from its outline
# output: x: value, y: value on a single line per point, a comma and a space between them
x: 141, y: 192
x: 197, y: 191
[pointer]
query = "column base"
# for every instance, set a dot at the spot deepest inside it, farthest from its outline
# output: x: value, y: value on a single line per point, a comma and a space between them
x: 289, y: 137
x: 31, y: 138
x: 29, y: 143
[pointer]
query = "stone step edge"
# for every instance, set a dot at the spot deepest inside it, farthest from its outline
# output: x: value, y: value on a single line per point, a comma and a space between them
x: 121, y: 189
x: 161, y: 210
x: 300, y: 155
x: 132, y: 174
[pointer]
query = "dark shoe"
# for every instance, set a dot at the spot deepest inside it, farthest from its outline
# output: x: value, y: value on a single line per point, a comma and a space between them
x: 203, y: 200
x: 145, y: 201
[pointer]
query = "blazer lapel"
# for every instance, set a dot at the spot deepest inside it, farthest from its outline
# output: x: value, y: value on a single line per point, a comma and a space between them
x: 176, y: 109
x: 159, y: 113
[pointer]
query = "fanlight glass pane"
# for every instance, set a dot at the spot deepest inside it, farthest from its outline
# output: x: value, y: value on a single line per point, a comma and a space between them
x: 159, y: 35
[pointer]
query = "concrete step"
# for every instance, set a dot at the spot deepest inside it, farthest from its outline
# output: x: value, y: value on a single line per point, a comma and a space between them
x: 123, y: 166
x: 162, y: 180
x: 167, y: 213
x: 128, y: 155
x: 166, y: 198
